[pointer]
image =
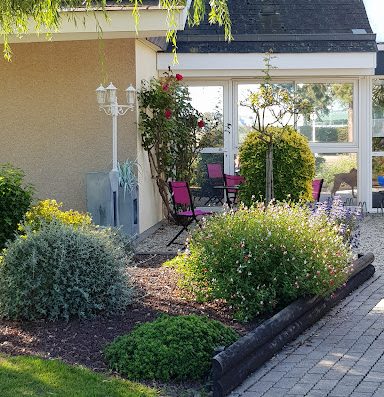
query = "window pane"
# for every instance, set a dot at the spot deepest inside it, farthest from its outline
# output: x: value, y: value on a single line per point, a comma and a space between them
x: 202, y: 187
x: 208, y: 100
x: 377, y: 182
x: 246, y: 117
x: 378, y: 116
x: 339, y: 172
x: 332, y: 119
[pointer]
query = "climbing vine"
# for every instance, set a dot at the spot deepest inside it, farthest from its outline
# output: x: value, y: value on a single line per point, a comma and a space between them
x: 171, y: 130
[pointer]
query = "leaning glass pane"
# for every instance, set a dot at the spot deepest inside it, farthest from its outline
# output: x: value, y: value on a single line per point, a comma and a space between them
x: 339, y: 171
x: 332, y: 118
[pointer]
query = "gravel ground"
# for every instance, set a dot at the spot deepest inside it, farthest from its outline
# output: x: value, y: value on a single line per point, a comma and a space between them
x: 372, y: 239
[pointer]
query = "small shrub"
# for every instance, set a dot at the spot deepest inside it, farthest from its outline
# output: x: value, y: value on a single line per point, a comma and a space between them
x: 170, y: 348
x: 262, y: 258
x: 15, y: 199
x: 48, y: 210
x: 293, y: 166
x: 60, y: 272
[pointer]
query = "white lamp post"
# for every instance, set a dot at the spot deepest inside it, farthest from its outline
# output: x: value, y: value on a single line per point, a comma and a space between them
x: 107, y: 100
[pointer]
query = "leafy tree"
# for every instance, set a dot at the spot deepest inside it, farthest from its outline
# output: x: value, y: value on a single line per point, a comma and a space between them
x: 273, y: 105
x: 15, y: 15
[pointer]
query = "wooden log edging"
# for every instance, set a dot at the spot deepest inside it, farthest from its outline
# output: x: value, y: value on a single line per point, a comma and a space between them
x: 233, y: 365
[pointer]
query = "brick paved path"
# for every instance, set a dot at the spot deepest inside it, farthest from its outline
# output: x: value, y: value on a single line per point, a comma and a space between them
x: 340, y: 356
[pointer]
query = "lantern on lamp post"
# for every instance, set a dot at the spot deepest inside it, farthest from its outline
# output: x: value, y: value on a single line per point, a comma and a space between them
x: 107, y: 100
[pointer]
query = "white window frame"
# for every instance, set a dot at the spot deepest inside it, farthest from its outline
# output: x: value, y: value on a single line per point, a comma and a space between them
x: 227, y: 124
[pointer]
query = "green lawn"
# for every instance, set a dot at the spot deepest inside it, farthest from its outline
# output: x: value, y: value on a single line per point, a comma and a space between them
x: 32, y: 376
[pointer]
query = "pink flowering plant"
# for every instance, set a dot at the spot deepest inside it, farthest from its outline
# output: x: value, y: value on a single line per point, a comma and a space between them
x: 262, y: 258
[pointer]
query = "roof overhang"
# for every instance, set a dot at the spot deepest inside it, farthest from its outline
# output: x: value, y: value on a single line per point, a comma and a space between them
x: 293, y: 64
x: 113, y: 23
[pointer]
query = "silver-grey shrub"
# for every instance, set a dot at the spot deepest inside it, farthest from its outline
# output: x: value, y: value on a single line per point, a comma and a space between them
x: 60, y: 272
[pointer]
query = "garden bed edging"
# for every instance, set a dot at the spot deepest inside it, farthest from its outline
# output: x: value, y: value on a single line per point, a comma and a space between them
x: 233, y: 365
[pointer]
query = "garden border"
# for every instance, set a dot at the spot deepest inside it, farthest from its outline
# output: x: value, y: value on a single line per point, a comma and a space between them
x: 233, y: 365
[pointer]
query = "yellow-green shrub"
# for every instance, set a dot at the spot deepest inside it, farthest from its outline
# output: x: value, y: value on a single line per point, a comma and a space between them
x: 293, y: 166
x: 48, y: 210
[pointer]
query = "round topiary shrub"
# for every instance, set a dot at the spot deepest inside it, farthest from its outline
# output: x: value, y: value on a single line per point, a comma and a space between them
x: 170, y: 348
x: 263, y: 258
x: 293, y: 166
x: 60, y: 272
x: 15, y: 199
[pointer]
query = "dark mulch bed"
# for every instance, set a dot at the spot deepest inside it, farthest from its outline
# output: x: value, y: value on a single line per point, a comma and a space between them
x: 82, y: 342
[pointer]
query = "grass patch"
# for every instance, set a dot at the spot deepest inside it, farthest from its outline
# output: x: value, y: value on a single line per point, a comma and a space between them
x: 32, y: 376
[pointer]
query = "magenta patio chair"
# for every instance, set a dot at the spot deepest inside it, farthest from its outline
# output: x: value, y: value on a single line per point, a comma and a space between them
x: 317, y: 185
x: 232, y: 184
x: 215, y: 178
x: 184, y: 211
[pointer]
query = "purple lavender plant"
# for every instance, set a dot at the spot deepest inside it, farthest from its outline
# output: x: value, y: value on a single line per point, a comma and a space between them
x: 347, y: 219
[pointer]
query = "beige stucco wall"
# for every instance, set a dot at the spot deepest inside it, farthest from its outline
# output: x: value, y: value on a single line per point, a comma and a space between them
x: 50, y: 125
x: 150, y: 207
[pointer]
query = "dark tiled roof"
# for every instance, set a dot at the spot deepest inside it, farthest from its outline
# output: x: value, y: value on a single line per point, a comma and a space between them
x: 380, y: 63
x: 285, y: 26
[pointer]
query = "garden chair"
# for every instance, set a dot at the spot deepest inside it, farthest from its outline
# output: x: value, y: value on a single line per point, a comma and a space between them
x: 184, y: 211
x: 317, y: 185
x: 215, y: 178
x: 232, y: 184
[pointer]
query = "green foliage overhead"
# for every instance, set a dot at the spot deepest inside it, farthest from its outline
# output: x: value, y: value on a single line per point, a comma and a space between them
x: 170, y: 348
x: 35, y: 377
x: 15, y: 15
x: 263, y: 258
x: 294, y: 166
x: 15, y: 199
x: 60, y: 271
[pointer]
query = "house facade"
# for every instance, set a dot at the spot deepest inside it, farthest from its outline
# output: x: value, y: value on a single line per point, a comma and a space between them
x: 51, y: 126
x: 323, y: 49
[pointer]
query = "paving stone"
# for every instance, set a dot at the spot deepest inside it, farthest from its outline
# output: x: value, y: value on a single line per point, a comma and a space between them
x: 261, y: 386
x: 367, y: 387
x: 300, y: 388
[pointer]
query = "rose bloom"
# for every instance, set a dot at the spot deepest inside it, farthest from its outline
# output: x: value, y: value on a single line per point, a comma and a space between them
x: 179, y: 77
x: 201, y: 123
x: 168, y: 113
x: 165, y: 87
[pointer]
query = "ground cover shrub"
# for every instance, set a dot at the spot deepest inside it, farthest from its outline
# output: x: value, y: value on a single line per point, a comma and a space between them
x: 33, y: 376
x: 262, y: 258
x: 46, y: 211
x: 60, y: 271
x: 15, y: 199
x: 169, y: 348
x: 293, y: 166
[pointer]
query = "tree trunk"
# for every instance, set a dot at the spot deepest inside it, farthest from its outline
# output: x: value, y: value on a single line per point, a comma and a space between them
x: 269, y: 193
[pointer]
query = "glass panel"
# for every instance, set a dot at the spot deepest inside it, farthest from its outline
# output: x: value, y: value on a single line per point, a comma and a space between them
x: 246, y: 117
x: 332, y: 119
x: 378, y: 116
x: 202, y: 187
x: 339, y: 171
x: 208, y: 100
x: 377, y: 181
